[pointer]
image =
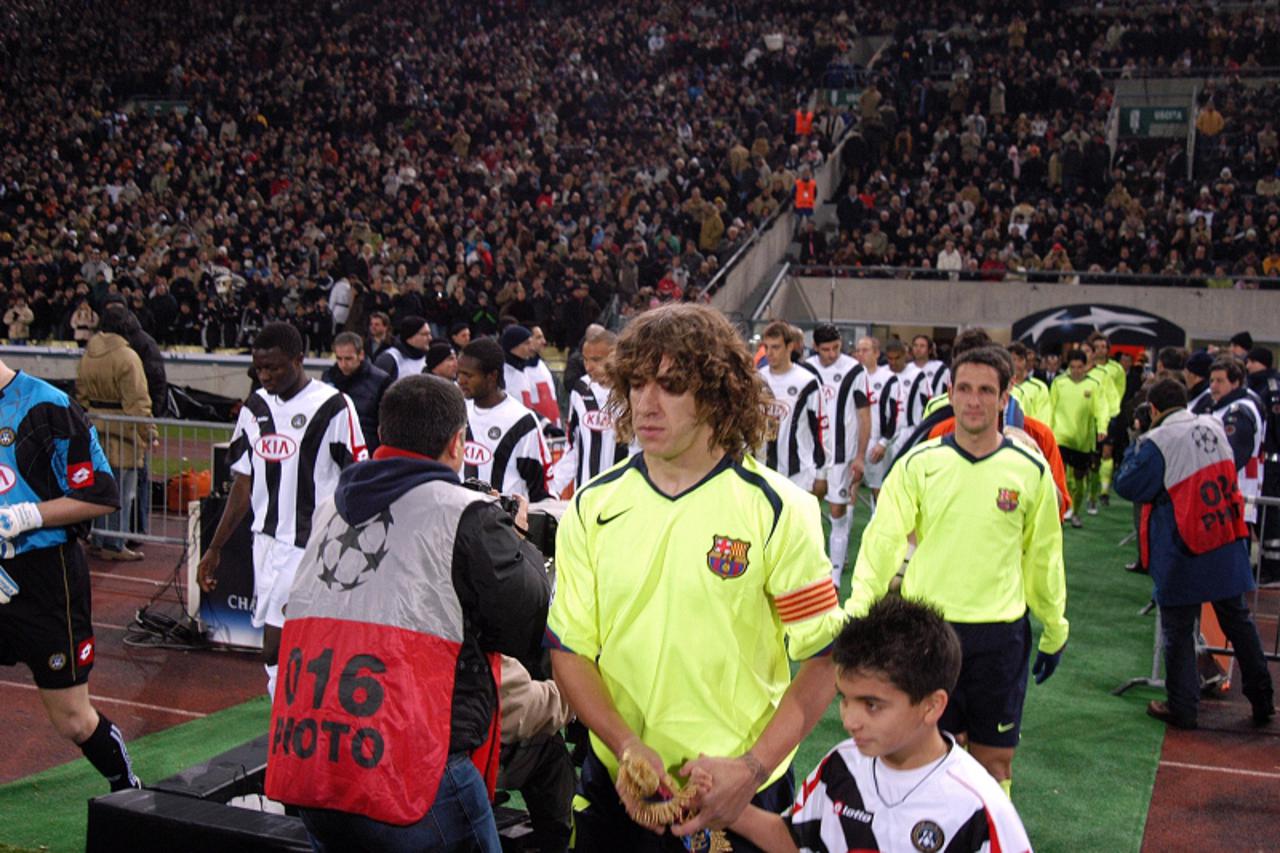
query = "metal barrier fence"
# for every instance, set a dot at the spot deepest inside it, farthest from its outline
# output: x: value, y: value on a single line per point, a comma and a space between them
x: 160, y: 466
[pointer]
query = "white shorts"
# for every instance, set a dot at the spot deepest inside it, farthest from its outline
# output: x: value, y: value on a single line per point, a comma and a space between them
x: 839, y: 483
x: 804, y: 478
x: 274, y: 565
x: 873, y: 473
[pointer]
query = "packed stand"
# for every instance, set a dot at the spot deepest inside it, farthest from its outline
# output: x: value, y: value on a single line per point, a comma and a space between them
x: 981, y: 151
x: 319, y: 163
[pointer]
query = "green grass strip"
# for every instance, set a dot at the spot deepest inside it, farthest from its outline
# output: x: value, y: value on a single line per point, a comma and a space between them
x: 47, y: 811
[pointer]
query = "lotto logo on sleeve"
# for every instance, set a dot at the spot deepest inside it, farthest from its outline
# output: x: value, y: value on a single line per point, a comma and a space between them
x: 84, y: 653
x: 80, y: 475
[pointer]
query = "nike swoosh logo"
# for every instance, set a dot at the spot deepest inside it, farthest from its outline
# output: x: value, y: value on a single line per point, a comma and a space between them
x: 602, y: 521
x: 1004, y: 727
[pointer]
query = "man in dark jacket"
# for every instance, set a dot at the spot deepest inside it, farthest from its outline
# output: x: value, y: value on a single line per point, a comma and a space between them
x: 410, y: 589
x: 1195, y: 542
x: 1265, y: 382
x: 361, y: 380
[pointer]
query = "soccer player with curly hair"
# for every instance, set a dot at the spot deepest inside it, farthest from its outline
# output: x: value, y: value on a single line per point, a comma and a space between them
x: 686, y: 576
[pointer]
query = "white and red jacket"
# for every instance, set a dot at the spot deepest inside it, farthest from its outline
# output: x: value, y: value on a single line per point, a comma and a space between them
x: 408, y: 591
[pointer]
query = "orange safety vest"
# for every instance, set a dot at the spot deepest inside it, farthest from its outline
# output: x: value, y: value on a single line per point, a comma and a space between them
x: 804, y: 122
x: 806, y: 194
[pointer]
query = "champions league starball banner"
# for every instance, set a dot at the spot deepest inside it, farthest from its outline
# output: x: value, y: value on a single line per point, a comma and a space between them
x: 1122, y: 325
x: 224, y: 614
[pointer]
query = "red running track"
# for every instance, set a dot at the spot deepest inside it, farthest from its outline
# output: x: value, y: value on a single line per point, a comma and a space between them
x: 1218, y: 787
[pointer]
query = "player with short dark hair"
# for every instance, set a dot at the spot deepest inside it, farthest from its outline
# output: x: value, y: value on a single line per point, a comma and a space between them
x: 898, y: 783
x: 504, y: 445
x: 984, y: 510
x: 793, y: 444
x: 54, y: 480
x: 848, y: 429
x: 1080, y: 418
x: 292, y: 439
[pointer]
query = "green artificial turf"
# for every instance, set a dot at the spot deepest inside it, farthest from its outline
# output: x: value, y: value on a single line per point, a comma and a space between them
x: 48, y: 810
x: 1082, y: 778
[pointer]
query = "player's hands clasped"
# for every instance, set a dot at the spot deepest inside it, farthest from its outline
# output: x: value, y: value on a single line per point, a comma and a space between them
x: 726, y: 786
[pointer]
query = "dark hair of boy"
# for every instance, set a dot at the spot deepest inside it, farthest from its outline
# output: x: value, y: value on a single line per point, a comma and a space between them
x: 906, y: 641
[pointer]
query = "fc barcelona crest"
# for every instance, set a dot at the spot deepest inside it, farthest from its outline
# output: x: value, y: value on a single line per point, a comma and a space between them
x: 728, y: 557
x: 1007, y: 500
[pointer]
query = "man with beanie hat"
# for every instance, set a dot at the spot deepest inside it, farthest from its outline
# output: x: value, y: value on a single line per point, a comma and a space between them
x: 542, y: 385
x: 517, y: 349
x: 1241, y: 343
x: 1196, y: 376
x: 442, y: 361
x: 408, y: 355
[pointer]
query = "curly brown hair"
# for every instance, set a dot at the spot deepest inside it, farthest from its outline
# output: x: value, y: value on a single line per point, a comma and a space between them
x: 707, y: 358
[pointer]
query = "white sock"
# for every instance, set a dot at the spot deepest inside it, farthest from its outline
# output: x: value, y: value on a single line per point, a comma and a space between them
x: 271, y: 679
x: 838, y: 544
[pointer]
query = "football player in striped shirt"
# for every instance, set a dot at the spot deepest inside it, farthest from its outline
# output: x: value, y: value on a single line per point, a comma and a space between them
x: 848, y: 428
x: 687, y: 576
x: 793, y: 443
x: 593, y: 443
x: 504, y: 444
x: 292, y: 440
x: 898, y: 783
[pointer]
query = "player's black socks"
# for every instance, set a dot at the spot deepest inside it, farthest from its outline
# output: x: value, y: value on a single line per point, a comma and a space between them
x: 107, y: 753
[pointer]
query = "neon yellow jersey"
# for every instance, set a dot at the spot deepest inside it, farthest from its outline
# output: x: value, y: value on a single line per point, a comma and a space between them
x: 1106, y: 376
x: 1079, y: 411
x: 1119, y: 381
x: 989, y: 539
x: 1033, y: 395
x: 936, y: 402
x: 690, y: 606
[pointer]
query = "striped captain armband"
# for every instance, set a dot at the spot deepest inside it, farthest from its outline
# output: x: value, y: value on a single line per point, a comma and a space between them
x: 807, y: 601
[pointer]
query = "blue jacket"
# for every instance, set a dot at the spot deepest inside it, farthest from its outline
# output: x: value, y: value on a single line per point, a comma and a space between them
x: 1180, y: 576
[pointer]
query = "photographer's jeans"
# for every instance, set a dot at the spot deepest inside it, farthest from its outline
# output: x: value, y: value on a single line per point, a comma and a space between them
x: 460, y: 819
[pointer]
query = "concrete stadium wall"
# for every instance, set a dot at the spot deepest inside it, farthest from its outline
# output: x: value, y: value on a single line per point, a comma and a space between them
x: 758, y: 260
x: 226, y: 375
x: 1204, y: 314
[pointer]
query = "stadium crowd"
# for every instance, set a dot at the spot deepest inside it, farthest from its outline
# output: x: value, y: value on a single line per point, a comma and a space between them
x: 981, y: 148
x: 452, y: 161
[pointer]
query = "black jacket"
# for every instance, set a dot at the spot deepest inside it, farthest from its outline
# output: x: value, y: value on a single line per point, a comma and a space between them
x: 365, y: 387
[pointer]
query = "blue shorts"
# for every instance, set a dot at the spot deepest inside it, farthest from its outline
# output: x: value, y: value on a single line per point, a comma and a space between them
x: 987, y: 702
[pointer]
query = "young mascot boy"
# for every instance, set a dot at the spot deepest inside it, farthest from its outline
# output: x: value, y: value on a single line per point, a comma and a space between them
x: 898, y: 783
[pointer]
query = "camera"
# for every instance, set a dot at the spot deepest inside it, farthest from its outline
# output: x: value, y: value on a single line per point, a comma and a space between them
x: 509, y: 505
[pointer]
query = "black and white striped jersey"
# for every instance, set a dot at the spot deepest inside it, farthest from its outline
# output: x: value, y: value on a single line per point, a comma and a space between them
x: 793, y: 444
x: 294, y: 450
x: 930, y: 380
x: 852, y: 802
x: 505, y: 449
x: 844, y: 391
x: 593, y: 445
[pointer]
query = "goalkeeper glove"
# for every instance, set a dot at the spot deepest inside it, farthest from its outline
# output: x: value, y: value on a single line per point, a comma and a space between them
x: 16, y: 519
x: 8, y: 587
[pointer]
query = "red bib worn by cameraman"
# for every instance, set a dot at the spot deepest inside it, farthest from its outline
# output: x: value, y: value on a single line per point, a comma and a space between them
x: 1200, y: 477
x: 361, y: 720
